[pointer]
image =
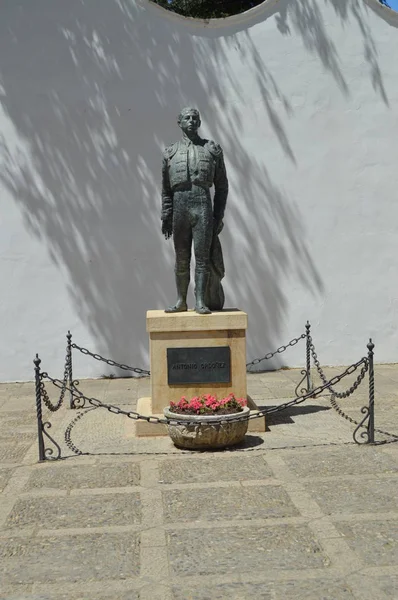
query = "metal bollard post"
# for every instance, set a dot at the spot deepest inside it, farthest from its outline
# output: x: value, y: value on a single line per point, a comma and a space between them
x: 37, y: 362
x: 70, y: 373
x: 371, y: 422
x: 308, y: 356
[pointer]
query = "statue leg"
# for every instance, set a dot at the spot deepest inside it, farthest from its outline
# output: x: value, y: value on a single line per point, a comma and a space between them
x: 202, y: 238
x: 182, y: 283
x: 215, y: 297
x: 201, y: 283
x: 182, y: 236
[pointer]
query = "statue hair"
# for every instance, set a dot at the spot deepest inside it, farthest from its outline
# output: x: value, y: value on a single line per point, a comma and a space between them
x: 186, y: 110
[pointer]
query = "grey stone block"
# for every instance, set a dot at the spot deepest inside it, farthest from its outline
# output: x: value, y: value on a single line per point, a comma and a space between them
x: 314, y: 589
x: 230, y: 591
x: 389, y: 585
x: 196, y: 470
x: 69, y: 558
x: 76, y: 511
x: 5, y: 475
x: 355, y: 496
x: 239, y: 549
x: 375, y: 541
x: 231, y: 503
x: 340, y: 461
x: 11, y: 422
x: 85, y: 476
x: 13, y: 452
x: 112, y: 595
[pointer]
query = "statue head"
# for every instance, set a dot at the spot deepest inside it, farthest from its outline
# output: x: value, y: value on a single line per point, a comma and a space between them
x: 189, y: 120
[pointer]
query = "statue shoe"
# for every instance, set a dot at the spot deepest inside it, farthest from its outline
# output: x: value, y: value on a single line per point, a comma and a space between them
x: 178, y: 307
x: 201, y: 309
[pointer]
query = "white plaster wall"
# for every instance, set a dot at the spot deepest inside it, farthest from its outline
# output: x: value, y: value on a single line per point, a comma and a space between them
x: 303, y: 98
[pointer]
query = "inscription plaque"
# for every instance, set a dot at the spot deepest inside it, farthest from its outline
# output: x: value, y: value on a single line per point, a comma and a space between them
x: 199, y: 365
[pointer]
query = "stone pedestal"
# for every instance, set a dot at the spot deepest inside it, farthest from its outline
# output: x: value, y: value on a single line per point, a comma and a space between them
x: 187, y: 330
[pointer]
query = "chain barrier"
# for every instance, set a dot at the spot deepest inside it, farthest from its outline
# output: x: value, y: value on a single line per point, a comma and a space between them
x: 146, y: 372
x: 279, y: 350
x: 339, y: 411
x: 255, y: 415
x: 324, y: 379
x: 110, y: 362
x: 79, y: 400
x: 54, y: 407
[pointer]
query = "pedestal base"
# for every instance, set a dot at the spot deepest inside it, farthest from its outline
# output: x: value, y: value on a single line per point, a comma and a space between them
x: 145, y: 429
x: 189, y: 331
x: 189, y: 336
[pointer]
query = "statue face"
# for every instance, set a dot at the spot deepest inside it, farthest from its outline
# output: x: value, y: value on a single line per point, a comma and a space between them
x: 189, y: 122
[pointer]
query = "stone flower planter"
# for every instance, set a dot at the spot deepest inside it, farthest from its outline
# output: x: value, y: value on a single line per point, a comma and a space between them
x: 205, y: 435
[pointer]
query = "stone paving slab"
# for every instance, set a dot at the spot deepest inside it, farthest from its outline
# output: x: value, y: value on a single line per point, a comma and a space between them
x: 122, y: 589
x: 11, y: 453
x: 20, y: 437
x: 375, y: 541
x: 5, y: 475
x: 130, y: 595
x: 16, y: 402
x: 196, y: 470
x: 297, y: 512
x: 356, y: 496
x: 81, y: 511
x: 211, y: 504
x: 21, y: 420
x: 291, y: 590
x: 389, y: 585
x: 346, y: 460
x: 69, y: 558
x: 84, y: 476
x: 232, y: 591
x: 222, y: 550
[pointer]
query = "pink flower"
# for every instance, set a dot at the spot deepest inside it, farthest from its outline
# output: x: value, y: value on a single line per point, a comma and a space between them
x: 182, y: 403
x: 195, y: 405
x: 209, y: 403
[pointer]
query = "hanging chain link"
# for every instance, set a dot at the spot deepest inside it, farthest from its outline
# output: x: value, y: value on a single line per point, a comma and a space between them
x: 324, y: 379
x: 110, y: 362
x: 327, y: 385
x: 254, y: 415
x: 279, y: 350
x: 365, y: 365
x: 313, y: 393
x: 54, y: 407
x: 339, y: 410
x: 146, y: 372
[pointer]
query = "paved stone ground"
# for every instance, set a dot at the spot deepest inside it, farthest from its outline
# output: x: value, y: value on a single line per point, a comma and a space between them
x: 299, y: 512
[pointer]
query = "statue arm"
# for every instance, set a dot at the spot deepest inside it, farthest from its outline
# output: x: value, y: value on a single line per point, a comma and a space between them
x: 167, y: 202
x: 221, y: 192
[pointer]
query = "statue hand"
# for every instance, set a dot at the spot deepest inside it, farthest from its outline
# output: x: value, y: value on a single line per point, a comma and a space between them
x: 167, y: 229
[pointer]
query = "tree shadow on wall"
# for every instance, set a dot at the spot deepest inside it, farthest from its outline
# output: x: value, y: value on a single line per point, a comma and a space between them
x: 90, y: 97
x: 305, y: 18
